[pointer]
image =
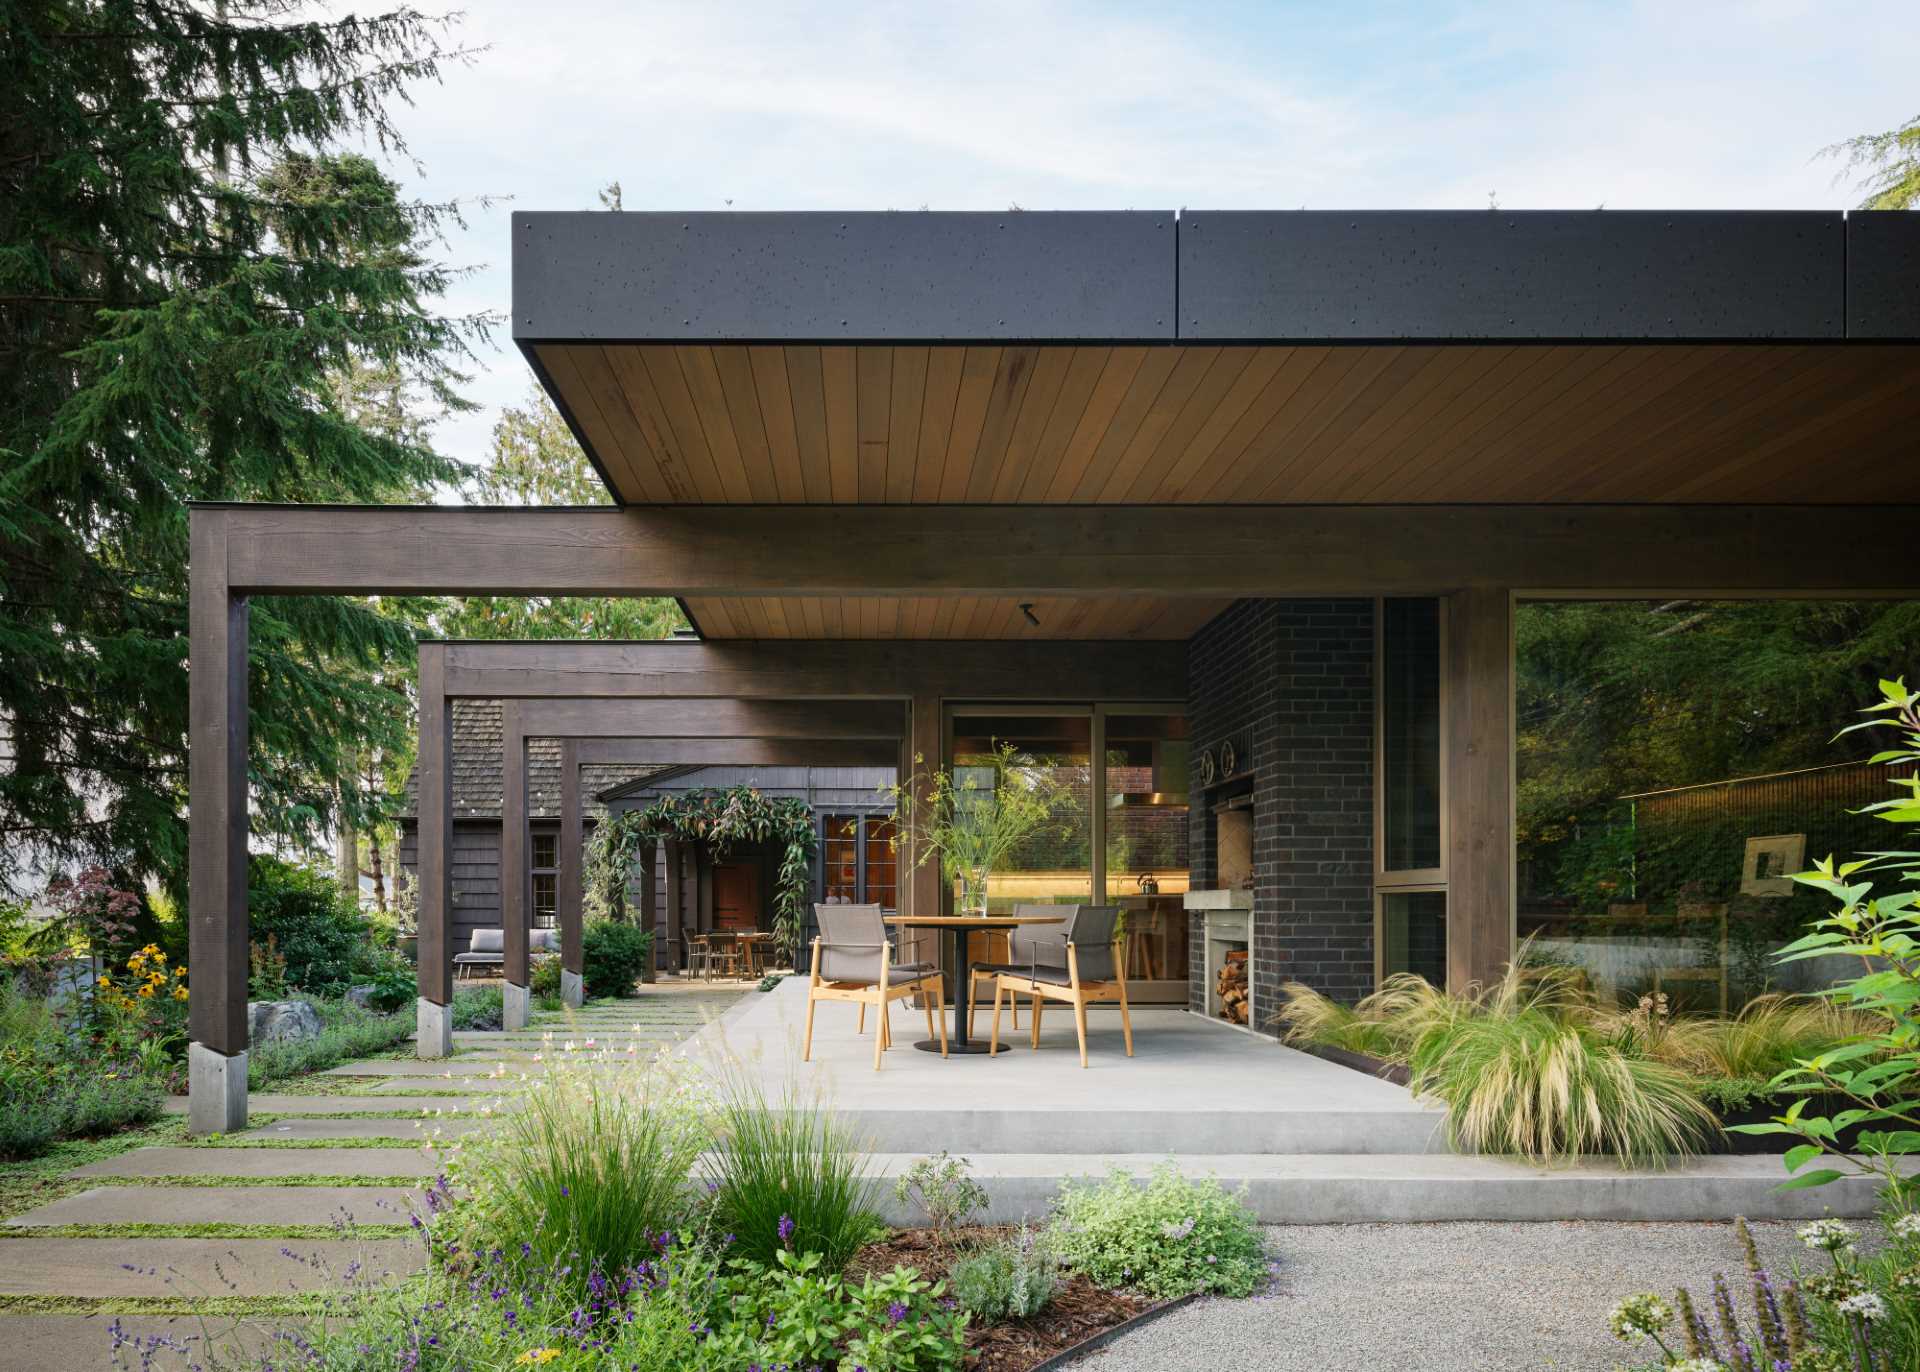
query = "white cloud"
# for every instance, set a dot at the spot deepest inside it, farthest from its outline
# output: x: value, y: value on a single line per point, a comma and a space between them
x: 1065, y: 104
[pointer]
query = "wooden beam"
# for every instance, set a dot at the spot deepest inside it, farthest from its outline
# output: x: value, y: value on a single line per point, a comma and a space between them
x: 823, y: 720
x: 514, y: 835
x: 1198, y: 550
x: 676, y: 899
x: 831, y: 669
x: 217, y: 792
x: 435, y: 970
x: 1479, y: 783
x: 739, y: 752
x: 570, y: 885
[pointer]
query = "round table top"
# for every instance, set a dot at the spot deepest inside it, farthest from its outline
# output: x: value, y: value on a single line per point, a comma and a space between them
x: 972, y: 921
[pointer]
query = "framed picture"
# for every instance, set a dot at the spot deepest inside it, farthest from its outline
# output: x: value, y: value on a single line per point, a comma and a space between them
x: 1770, y: 864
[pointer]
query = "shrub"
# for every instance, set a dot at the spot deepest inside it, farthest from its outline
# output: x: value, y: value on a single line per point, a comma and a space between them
x: 616, y: 954
x: 478, y: 1008
x: 1170, y: 1237
x: 62, y: 1081
x: 392, y: 988
x: 944, y: 1190
x: 1012, y: 1279
x: 544, y: 979
x: 320, y: 934
x: 785, y: 1174
x: 347, y: 1032
x: 592, y: 1173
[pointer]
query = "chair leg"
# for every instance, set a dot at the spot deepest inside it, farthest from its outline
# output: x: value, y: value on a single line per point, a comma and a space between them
x: 926, y: 1003
x: 1126, y: 1017
x: 1038, y: 1001
x: 973, y: 1002
x: 863, y: 1017
x: 1079, y: 1001
x: 993, y: 1040
x: 813, y: 985
x: 940, y: 1018
x: 879, y: 1033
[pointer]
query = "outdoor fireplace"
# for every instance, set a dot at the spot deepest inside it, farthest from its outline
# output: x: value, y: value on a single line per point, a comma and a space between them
x: 1227, y: 980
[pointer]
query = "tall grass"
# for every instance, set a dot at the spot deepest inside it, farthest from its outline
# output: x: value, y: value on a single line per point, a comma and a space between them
x: 592, y: 1171
x: 1766, y: 1038
x: 785, y: 1172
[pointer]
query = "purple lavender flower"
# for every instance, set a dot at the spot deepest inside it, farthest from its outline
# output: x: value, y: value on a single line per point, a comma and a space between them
x: 786, y: 1228
x: 896, y: 1313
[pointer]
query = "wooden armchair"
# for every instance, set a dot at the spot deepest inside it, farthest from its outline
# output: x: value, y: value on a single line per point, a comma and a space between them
x: 852, y: 961
x: 1079, y: 966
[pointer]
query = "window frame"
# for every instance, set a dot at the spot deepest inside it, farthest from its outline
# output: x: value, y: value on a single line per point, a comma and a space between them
x: 1410, y: 881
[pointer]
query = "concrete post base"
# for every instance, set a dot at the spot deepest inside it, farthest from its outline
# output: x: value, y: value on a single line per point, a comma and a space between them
x: 433, y: 1037
x: 216, y: 1091
x: 573, y: 989
x: 513, y: 1006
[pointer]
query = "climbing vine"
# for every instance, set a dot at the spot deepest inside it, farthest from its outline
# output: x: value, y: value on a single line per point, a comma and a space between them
x: 720, y: 819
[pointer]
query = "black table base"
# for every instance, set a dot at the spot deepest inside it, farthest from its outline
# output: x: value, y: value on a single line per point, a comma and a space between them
x: 961, y: 1040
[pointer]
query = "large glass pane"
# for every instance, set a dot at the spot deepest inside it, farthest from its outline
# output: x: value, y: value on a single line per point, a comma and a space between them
x: 1410, y: 735
x: 880, y: 862
x: 1413, y: 934
x: 1677, y: 761
x: 1054, y: 865
x: 840, y: 860
x: 546, y: 902
x: 1147, y: 837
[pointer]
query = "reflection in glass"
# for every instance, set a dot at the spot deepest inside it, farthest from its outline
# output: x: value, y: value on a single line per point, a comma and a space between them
x: 1147, y: 759
x: 1410, y: 735
x: 1413, y: 934
x: 1053, y: 866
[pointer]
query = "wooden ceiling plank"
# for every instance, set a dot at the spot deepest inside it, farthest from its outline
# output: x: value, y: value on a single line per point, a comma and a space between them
x: 1237, y: 452
x: 808, y: 394
x: 1333, y: 391
x: 944, y: 369
x: 944, y: 608
x: 978, y: 373
x: 1148, y: 380
x: 775, y: 390
x: 702, y: 372
x: 564, y: 365
x: 1189, y: 374
x: 1202, y: 407
x: 842, y: 390
x: 683, y: 420
x: 1585, y: 373
x: 1084, y: 370
x: 1395, y: 402
x: 811, y: 618
x: 735, y: 369
x: 1250, y: 468
x: 1010, y: 379
x: 903, y: 422
x: 1318, y: 475
x: 1109, y: 393
x: 1037, y: 404
x: 873, y: 368
x: 1197, y: 459
x: 676, y: 479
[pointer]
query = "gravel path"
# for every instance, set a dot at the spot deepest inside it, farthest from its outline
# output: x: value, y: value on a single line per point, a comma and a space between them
x: 1444, y: 1298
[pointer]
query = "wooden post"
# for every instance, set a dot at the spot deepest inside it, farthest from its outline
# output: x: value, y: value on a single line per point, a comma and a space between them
x: 435, y: 765
x: 650, y: 908
x: 514, y: 877
x: 217, y: 834
x: 571, y: 891
x: 1480, y: 901
x: 676, y: 903
x: 925, y: 751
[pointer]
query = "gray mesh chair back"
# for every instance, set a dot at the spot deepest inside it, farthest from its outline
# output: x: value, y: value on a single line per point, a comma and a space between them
x: 851, y: 937
x: 1091, y: 930
x: 1038, y: 945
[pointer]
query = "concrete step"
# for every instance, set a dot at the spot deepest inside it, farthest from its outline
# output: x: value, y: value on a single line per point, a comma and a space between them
x: 1057, y: 1129
x: 264, y: 1162
x: 1356, y: 1188
x: 148, y: 1268
x: 226, y: 1205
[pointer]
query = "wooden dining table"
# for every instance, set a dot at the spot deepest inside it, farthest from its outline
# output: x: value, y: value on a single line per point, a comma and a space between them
x: 959, y: 926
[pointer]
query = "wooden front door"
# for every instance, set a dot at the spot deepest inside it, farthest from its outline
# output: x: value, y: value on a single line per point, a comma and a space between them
x: 736, y: 897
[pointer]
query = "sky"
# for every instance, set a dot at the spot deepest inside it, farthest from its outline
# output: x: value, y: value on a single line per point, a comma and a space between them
x: 1069, y: 104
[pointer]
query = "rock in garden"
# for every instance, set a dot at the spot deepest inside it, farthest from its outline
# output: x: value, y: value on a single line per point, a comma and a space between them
x: 281, y: 1021
x: 361, y: 996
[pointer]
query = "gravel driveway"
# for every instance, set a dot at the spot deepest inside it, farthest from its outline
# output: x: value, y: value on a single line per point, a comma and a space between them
x: 1444, y: 1298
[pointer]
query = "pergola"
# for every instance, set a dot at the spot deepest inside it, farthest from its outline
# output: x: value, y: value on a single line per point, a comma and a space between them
x: 887, y: 460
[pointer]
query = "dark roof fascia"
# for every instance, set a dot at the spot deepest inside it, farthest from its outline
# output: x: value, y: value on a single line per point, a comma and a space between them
x: 648, y: 782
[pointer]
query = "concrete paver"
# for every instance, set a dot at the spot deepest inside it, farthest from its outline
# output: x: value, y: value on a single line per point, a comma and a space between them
x: 225, y: 1205
x: 196, y: 1267
x: 263, y: 1162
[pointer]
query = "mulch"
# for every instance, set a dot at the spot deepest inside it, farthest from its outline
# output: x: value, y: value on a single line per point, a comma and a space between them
x: 1078, y: 1311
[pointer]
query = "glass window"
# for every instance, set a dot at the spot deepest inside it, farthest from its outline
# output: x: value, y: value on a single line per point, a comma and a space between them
x: 1147, y: 834
x: 880, y: 862
x: 1413, y: 934
x: 546, y: 850
x: 1410, y: 735
x: 840, y: 860
x: 1054, y: 865
x: 545, y: 862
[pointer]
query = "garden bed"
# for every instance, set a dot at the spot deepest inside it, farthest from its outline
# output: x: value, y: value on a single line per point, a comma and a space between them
x: 1078, y: 1312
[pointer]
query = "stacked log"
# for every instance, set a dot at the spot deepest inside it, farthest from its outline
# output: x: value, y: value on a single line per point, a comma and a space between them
x: 1230, y: 989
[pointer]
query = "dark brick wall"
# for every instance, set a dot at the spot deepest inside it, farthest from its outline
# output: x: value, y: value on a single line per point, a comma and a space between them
x: 1290, y: 682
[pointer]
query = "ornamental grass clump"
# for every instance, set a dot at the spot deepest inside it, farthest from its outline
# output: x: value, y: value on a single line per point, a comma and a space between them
x: 592, y: 1170
x: 1169, y: 1237
x: 786, y: 1173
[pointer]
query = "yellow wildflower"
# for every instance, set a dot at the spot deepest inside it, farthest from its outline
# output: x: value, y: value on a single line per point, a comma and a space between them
x: 536, y: 1357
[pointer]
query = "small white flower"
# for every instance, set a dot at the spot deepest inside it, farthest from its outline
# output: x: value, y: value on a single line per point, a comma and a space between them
x: 1639, y: 1315
x: 1866, y: 1305
x: 1697, y: 1365
x: 1906, y: 1227
x: 1829, y: 1236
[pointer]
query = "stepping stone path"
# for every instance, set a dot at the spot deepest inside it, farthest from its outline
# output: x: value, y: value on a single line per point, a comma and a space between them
x: 162, y: 1186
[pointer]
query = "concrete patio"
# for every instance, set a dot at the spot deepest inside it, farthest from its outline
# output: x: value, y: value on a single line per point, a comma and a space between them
x: 1314, y: 1143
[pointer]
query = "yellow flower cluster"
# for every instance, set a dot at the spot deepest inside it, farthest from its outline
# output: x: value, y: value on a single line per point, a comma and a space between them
x: 147, y: 979
x: 536, y: 1357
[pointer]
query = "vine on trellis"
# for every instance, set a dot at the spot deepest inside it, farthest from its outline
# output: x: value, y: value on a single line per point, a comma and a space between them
x: 719, y: 818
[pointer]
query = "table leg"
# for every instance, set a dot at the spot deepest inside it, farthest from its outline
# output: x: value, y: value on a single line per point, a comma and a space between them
x: 959, y: 1041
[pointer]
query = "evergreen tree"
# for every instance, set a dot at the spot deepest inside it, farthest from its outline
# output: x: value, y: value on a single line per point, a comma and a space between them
x: 197, y: 294
x: 1888, y: 165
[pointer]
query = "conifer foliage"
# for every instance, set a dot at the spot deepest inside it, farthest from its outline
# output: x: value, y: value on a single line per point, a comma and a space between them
x: 200, y: 290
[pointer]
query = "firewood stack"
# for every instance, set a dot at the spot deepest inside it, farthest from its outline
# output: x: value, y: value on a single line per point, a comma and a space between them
x: 1230, y: 991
